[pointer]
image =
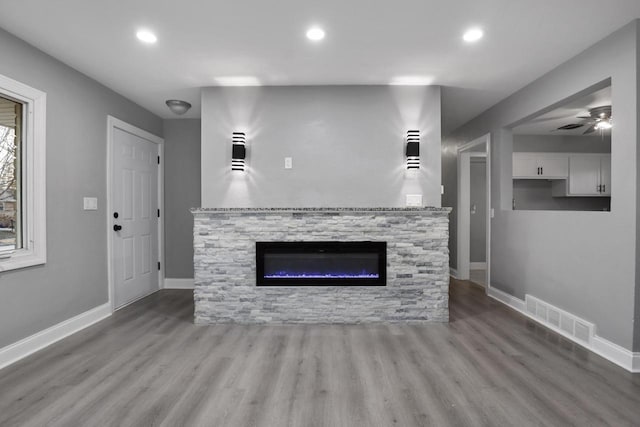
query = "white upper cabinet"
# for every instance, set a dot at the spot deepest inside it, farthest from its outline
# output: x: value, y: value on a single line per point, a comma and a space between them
x: 589, y: 176
x: 554, y: 165
x: 605, y: 175
x: 540, y: 165
x: 525, y: 165
x: 584, y: 175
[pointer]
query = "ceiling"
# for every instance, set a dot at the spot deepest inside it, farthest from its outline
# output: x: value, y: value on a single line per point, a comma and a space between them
x: 367, y: 42
x: 548, y: 123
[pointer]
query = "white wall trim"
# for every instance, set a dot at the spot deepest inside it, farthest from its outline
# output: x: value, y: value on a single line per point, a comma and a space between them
x: 507, y: 299
x: 616, y: 354
x: 27, y: 346
x: 453, y: 273
x: 477, y: 265
x: 178, y: 283
x: 612, y: 352
x: 34, y: 203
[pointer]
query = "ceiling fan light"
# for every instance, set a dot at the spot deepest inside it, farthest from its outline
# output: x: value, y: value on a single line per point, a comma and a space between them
x: 604, y: 125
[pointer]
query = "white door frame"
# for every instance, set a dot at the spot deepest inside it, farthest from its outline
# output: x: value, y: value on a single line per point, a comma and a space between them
x: 113, y: 124
x: 464, y: 206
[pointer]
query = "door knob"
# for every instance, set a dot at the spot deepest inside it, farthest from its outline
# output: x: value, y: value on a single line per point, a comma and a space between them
x: 117, y: 227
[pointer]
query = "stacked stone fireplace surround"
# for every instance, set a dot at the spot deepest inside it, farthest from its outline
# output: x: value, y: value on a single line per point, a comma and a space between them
x: 417, y: 288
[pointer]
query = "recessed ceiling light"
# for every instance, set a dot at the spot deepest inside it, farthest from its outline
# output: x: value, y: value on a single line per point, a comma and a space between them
x: 473, y: 35
x: 315, y: 34
x: 412, y: 81
x: 237, y: 81
x: 146, y: 36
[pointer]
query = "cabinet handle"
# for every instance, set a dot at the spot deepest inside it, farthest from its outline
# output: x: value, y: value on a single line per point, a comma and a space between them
x: 598, y: 188
x: 538, y: 170
x: 604, y: 188
x: 542, y: 170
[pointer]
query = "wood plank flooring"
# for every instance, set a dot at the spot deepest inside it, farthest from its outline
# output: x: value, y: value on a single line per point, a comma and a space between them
x: 148, y: 365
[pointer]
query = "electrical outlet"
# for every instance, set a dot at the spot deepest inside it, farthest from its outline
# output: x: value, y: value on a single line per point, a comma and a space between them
x: 288, y: 162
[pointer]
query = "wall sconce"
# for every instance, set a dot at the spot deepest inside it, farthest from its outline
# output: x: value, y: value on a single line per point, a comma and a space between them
x: 239, y: 151
x: 413, y: 149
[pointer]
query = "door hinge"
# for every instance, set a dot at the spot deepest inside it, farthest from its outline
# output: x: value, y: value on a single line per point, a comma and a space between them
x: 158, y: 213
x: 158, y: 265
x: 158, y: 159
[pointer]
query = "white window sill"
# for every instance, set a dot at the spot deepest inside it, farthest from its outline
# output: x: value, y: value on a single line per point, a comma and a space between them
x: 20, y: 259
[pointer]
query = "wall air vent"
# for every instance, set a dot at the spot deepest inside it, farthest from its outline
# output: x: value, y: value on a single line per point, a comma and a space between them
x: 559, y: 320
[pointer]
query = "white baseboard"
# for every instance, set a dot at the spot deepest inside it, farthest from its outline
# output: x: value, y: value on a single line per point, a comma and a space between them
x: 178, y: 283
x: 477, y: 266
x: 612, y: 352
x: 513, y: 302
x: 453, y: 272
x: 23, y: 348
x: 622, y: 357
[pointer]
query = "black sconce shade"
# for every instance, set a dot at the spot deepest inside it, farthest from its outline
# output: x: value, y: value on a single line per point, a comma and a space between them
x: 413, y: 149
x: 238, y: 151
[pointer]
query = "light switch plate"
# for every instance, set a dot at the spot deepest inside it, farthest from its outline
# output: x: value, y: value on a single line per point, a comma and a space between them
x: 288, y: 162
x: 493, y: 213
x: 414, y: 200
x: 90, y: 203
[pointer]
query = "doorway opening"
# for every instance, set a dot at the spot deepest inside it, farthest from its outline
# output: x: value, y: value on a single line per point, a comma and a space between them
x: 474, y: 211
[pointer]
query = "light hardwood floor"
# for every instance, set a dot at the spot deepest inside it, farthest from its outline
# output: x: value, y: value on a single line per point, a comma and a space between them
x: 149, y: 365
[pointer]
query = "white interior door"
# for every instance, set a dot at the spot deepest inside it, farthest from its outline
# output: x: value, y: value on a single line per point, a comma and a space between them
x: 134, y: 216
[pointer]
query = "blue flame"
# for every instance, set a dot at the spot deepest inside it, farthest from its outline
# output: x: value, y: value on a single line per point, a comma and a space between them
x: 285, y: 275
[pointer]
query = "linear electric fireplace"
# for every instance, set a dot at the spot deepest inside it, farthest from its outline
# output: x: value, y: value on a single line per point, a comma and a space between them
x: 321, y: 263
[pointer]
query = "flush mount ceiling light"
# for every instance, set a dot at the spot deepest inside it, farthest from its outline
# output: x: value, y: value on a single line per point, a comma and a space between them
x: 472, y: 35
x: 146, y: 36
x: 177, y: 106
x: 315, y: 34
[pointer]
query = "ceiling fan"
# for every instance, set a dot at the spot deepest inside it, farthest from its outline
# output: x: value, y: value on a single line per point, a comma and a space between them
x: 599, y: 118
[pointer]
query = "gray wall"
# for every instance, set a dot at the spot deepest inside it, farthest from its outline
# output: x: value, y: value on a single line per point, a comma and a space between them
x: 636, y: 340
x: 478, y: 197
x: 181, y: 192
x: 347, y: 144
x: 582, y: 262
x: 561, y: 144
x: 74, y: 278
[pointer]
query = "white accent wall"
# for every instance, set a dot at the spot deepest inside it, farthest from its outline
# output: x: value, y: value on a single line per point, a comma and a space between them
x: 347, y: 144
